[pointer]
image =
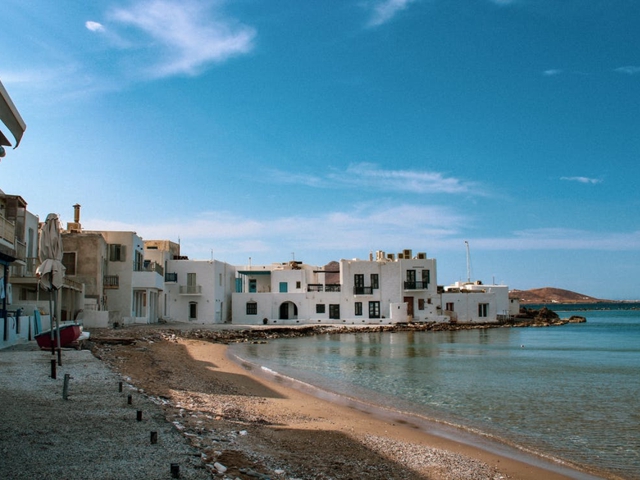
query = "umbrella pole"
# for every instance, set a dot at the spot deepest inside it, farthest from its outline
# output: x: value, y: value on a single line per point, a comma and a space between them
x: 58, y: 328
x: 51, y: 333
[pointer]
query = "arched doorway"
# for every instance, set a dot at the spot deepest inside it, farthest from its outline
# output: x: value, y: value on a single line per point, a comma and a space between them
x: 288, y: 310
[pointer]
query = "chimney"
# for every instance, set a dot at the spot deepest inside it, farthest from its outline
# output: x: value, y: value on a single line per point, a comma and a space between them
x: 75, y: 225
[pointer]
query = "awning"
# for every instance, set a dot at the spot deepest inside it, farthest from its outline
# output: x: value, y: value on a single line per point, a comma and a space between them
x: 11, y: 118
x: 254, y: 272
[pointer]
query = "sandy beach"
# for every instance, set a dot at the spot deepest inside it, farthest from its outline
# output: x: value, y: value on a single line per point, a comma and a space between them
x: 282, y: 432
x: 237, y: 424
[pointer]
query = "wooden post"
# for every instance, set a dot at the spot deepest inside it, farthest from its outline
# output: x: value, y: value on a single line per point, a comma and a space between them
x: 65, y: 387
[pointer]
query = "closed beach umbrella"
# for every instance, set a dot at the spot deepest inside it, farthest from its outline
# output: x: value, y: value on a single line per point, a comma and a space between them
x: 51, y: 271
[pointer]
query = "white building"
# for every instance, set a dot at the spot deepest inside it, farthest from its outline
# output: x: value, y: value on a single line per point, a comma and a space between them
x: 198, y: 291
x: 387, y: 289
x: 475, y: 302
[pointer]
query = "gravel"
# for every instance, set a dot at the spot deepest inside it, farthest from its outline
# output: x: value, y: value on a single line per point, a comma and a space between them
x: 95, y: 433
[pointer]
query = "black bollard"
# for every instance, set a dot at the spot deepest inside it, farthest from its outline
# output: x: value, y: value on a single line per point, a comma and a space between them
x: 139, y: 415
x: 175, y: 470
x: 154, y: 438
x: 59, y: 356
x: 65, y: 387
x: 129, y: 399
x: 120, y: 387
x: 53, y: 368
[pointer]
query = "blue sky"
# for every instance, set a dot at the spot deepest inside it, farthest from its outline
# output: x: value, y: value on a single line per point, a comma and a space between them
x: 320, y: 130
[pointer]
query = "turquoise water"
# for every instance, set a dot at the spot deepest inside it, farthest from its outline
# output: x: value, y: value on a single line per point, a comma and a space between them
x: 570, y: 392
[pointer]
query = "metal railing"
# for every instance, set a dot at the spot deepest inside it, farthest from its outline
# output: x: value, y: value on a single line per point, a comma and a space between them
x: 319, y: 287
x: 190, y: 289
x: 111, y: 281
x: 171, y: 277
x: 416, y: 285
x: 363, y: 290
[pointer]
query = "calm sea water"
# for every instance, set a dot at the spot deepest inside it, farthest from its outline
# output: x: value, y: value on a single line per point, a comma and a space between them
x: 570, y: 392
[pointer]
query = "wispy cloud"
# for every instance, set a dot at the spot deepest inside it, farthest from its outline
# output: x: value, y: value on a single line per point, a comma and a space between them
x: 629, y: 70
x: 237, y: 237
x: 371, y: 176
x: 175, y: 37
x: 551, y: 72
x: 592, y: 181
x: 382, y: 11
x: 562, y: 239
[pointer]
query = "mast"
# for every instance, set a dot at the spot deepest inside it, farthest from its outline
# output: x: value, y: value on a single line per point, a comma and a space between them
x: 468, y: 263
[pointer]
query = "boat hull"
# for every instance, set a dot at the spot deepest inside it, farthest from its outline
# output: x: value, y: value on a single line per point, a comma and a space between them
x: 68, y: 335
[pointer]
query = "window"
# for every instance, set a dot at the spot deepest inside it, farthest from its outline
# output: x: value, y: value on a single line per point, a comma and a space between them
x: 426, y: 278
x: 334, y: 311
x: 483, y: 310
x: 421, y: 304
x: 283, y: 287
x: 252, y: 308
x: 358, y: 280
x: 319, y: 307
x: 411, y: 276
x: 298, y: 285
x: 69, y: 262
x: 374, y: 309
x: 117, y: 253
x: 193, y: 310
x: 449, y: 306
x: 374, y: 281
x: 220, y: 279
x: 358, y: 308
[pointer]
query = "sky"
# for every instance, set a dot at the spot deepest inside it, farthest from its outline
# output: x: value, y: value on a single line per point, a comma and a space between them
x: 256, y: 131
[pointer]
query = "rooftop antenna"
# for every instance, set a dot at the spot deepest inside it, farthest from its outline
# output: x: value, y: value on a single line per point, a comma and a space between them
x: 468, y: 263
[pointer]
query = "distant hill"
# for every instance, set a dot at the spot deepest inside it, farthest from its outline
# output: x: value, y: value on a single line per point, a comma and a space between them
x: 551, y: 295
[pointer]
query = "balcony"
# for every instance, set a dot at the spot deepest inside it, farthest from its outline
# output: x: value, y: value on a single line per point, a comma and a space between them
x: 363, y: 290
x: 7, y: 230
x: 416, y: 285
x: 319, y: 287
x: 111, y: 281
x: 170, y: 277
x: 190, y: 289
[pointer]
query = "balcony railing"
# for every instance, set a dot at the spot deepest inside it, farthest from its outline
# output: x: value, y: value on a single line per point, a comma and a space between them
x: 190, y: 289
x: 7, y: 230
x: 171, y: 277
x: 149, y: 267
x: 111, y: 281
x: 363, y: 290
x: 416, y: 285
x: 319, y: 287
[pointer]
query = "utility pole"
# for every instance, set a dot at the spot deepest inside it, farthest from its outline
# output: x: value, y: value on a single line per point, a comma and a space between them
x: 468, y: 263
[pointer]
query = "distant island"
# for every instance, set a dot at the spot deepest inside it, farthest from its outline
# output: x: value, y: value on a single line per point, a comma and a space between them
x: 551, y: 295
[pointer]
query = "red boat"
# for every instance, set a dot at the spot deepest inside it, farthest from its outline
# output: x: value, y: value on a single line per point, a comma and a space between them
x: 69, y: 333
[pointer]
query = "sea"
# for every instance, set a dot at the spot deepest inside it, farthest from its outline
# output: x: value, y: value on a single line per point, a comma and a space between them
x: 569, y: 393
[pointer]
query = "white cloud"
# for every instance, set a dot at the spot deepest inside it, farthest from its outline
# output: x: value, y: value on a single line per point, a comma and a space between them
x: 629, y: 70
x: 94, y: 26
x: 186, y: 35
x: 592, y: 181
x: 384, y: 10
x: 233, y: 237
x: 562, y: 239
x: 370, y: 176
x: 551, y: 72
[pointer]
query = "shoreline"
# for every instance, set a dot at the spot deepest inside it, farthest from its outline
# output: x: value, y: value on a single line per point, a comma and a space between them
x: 511, y: 460
x: 274, y: 406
